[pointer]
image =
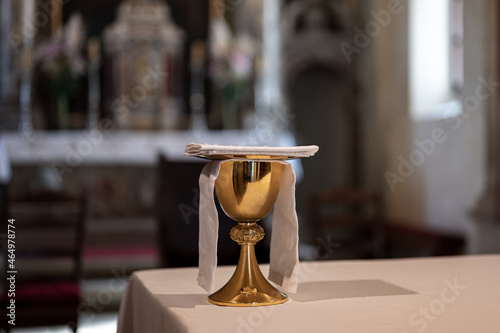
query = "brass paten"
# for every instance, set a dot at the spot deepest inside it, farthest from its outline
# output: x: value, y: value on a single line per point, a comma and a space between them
x: 247, y: 191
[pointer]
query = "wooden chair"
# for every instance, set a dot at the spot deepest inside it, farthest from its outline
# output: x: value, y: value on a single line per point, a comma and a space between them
x: 351, y: 218
x: 404, y: 240
x: 177, y: 198
x: 49, y: 231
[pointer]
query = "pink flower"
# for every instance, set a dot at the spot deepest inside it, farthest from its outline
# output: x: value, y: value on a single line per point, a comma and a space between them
x: 241, y: 65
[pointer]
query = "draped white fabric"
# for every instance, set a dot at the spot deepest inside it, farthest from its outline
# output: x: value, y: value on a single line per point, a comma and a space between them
x: 284, y: 259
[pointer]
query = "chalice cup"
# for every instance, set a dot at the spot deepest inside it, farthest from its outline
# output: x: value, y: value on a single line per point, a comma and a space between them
x: 247, y: 191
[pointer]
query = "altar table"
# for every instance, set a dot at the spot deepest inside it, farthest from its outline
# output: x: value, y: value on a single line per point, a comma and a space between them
x: 444, y: 294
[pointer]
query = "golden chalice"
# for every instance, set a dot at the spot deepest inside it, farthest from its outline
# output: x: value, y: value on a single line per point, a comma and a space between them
x: 247, y: 191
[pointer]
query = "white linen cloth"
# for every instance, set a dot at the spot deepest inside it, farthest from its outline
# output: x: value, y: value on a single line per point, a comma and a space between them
x: 284, y: 258
x: 221, y: 151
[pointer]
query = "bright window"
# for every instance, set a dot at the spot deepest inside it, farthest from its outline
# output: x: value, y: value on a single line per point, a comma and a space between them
x: 436, y: 58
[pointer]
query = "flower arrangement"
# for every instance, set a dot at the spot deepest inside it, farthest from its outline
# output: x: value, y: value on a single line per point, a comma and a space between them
x: 61, y: 63
x: 232, y: 57
x: 231, y: 69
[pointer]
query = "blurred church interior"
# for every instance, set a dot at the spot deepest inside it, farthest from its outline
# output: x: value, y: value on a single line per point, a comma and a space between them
x: 99, y: 98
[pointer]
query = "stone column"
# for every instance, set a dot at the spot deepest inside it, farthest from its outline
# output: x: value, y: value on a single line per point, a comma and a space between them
x: 486, y: 212
x: 5, y: 54
x: 488, y: 206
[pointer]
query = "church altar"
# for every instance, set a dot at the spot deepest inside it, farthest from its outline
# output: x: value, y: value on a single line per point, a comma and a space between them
x: 95, y: 147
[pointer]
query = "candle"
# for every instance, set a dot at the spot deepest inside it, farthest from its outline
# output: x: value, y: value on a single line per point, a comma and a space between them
x: 93, y: 49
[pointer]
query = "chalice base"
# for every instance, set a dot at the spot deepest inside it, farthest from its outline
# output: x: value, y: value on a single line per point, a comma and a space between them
x: 247, y: 286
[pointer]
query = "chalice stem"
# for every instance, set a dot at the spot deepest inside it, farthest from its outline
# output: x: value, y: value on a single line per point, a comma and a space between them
x: 248, y: 271
x: 247, y: 286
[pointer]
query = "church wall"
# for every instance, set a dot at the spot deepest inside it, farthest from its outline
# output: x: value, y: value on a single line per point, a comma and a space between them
x: 440, y: 190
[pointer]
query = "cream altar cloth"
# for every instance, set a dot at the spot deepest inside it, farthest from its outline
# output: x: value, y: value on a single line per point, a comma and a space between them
x: 449, y: 294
